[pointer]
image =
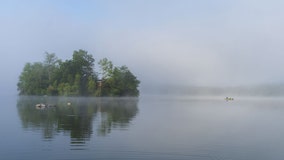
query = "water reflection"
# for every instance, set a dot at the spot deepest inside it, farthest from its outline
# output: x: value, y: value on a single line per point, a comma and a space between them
x: 77, y: 117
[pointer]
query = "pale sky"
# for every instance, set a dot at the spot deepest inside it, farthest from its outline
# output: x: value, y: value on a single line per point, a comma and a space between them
x: 163, y: 42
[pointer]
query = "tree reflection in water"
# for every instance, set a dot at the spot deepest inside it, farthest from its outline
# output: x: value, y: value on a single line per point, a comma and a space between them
x: 75, y: 116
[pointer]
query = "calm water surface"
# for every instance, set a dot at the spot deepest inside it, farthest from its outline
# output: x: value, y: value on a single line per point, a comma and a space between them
x: 149, y: 127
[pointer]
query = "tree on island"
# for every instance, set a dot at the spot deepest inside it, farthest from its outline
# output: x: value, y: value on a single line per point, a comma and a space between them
x: 76, y: 77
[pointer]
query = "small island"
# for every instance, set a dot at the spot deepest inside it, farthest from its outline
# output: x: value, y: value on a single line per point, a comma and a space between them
x: 77, y: 77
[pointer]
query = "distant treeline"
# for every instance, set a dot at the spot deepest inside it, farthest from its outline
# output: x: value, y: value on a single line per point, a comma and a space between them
x: 252, y: 90
x: 76, y: 77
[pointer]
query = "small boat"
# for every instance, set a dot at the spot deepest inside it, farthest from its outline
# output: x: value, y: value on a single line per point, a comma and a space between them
x: 229, y: 98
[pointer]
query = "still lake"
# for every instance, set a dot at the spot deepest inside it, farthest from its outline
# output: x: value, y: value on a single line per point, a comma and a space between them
x: 148, y: 127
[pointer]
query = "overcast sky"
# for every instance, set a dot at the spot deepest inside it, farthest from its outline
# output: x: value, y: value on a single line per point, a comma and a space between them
x: 163, y: 42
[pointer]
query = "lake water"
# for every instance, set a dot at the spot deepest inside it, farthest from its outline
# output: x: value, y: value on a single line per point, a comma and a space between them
x: 149, y: 127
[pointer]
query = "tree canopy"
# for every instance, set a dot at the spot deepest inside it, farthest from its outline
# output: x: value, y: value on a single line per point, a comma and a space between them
x: 76, y: 77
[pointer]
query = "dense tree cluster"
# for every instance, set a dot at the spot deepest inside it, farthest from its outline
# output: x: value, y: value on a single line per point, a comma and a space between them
x: 76, y: 77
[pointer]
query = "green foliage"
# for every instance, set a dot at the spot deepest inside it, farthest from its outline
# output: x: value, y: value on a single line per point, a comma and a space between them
x: 120, y: 83
x: 51, y: 63
x: 106, y: 67
x: 76, y: 77
x: 34, y: 79
x: 91, y: 86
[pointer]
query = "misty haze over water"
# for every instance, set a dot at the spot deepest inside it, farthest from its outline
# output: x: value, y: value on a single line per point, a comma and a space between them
x: 189, y: 55
x: 266, y: 90
x: 151, y: 127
